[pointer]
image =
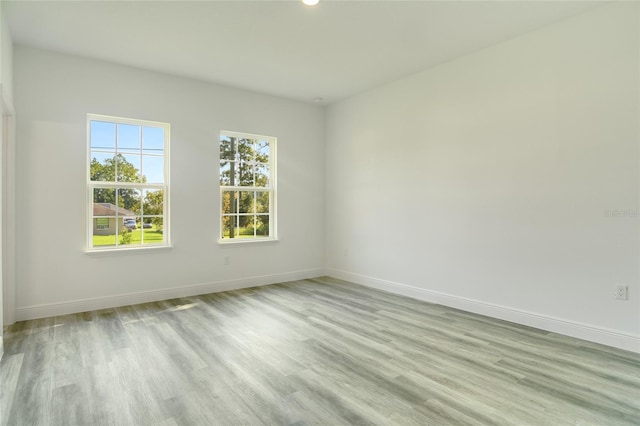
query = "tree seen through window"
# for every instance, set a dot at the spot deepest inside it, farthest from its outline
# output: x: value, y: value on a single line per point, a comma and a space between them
x: 246, y: 182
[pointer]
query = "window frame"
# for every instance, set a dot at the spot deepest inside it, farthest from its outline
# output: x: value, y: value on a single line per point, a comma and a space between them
x: 271, y: 189
x: 91, y: 185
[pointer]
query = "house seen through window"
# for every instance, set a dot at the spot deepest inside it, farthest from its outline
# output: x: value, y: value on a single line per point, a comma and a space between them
x: 127, y: 186
x: 247, y: 187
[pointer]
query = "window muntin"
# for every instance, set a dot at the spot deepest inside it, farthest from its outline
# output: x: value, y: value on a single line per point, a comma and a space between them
x: 247, y: 187
x: 128, y: 182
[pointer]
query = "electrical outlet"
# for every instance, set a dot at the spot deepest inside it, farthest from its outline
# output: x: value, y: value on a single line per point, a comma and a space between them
x: 227, y: 260
x: 621, y: 292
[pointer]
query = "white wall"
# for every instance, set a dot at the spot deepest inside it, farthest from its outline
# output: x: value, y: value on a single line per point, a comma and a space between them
x: 6, y: 61
x: 6, y: 109
x: 53, y: 94
x: 483, y: 183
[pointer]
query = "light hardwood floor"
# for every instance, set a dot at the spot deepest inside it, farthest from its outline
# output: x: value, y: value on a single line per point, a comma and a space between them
x: 317, y: 351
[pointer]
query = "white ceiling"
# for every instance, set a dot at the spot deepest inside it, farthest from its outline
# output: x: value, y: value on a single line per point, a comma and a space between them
x: 284, y: 48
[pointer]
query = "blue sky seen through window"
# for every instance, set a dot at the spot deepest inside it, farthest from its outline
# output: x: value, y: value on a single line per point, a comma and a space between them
x: 141, y: 146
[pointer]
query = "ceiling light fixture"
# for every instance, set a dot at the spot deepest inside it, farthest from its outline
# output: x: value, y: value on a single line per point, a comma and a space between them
x: 310, y: 2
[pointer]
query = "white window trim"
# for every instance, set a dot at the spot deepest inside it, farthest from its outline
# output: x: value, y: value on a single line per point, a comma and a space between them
x: 99, y: 184
x: 273, y: 199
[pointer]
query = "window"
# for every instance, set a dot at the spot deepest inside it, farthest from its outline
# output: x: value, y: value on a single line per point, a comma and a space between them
x: 127, y: 183
x: 247, y: 187
x: 102, y: 223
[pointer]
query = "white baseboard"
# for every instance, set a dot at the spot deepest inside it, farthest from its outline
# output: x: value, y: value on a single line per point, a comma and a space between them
x: 569, y: 328
x: 75, y: 306
x: 591, y: 333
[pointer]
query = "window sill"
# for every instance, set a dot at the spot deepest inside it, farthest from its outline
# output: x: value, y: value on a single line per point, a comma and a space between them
x: 232, y: 241
x: 126, y: 251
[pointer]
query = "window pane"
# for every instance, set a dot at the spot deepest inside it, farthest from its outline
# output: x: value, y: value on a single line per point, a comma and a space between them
x: 263, y: 150
x: 153, y: 202
x: 152, y: 228
x: 128, y: 202
x: 128, y: 167
x: 128, y: 138
x: 262, y: 202
x: 152, y: 140
x: 105, y: 225
x: 102, y: 167
x: 102, y: 223
x: 101, y: 239
x: 153, y: 169
x: 229, y: 202
x: 106, y: 197
x: 103, y: 135
x: 262, y: 175
x: 262, y: 226
x: 104, y: 231
x: 227, y: 148
x: 129, y: 223
x: 130, y: 235
x: 245, y: 225
x: 228, y: 173
x: 229, y: 226
x: 246, y: 149
x: 246, y: 202
x: 245, y: 174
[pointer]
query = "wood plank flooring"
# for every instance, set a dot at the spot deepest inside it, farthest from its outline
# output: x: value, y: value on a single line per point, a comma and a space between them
x: 319, y: 351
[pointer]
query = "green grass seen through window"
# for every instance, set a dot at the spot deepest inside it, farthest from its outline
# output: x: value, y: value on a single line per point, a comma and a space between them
x: 151, y: 236
x: 243, y: 233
